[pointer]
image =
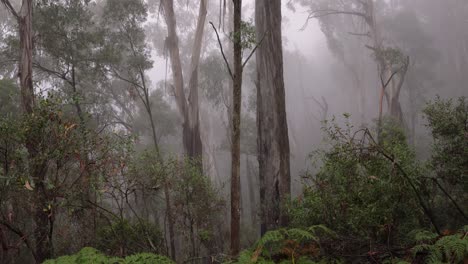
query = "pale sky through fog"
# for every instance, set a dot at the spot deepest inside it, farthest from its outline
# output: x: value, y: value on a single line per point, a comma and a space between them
x: 310, y: 41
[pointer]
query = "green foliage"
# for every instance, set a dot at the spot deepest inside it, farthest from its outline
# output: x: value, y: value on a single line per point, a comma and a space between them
x: 197, y: 204
x: 147, y: 258
x: 9, y: 98
x: 247, y: 35
x: 358, y: 190
x: 448, y: 249
x: 362, y: 182
x: 432, y: 248
x: 66, y: 177
x: 89, y: 255
x: 125, y: 238
x: 394, y: 57
x: 166, y: 118
x: 294, y: 245
x: 447, y: 120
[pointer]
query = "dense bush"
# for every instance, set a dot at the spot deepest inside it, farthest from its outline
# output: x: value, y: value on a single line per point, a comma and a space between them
x: 125, y: 238
x: 375, y: 202
x: 309, y: 246
x: 368, y: 190
x: 91, y: 255
x: 448, y: 122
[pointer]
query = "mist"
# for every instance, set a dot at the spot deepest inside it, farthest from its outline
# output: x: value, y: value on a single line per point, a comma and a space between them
x: 214, y: 131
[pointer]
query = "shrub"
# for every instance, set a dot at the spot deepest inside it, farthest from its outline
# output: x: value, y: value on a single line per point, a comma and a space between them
x: 125, y: 238
x: 89, y: 255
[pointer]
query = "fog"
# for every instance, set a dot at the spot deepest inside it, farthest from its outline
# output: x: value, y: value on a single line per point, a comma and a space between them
x: 147, y: 89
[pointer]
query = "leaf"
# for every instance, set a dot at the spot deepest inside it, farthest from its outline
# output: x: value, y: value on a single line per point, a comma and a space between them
x: 28, y: 186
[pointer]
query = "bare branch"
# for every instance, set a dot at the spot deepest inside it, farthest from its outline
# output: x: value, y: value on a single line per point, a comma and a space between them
x: 10, y: 8
x: 327, y: 12
x: 254, y: 49
x: 385, y: 84
x: 18, y: 232
x: 222, y: 51
x: 60, y: 75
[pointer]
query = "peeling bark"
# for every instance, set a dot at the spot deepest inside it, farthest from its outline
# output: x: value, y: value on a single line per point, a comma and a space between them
x: 273, y: 141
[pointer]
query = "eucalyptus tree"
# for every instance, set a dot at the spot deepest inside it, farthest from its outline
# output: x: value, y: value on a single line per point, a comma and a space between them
x: 392, y: 64
x: 273, y: 140
x: 188, y: 106
x: 68, y: 43
x: 123, y: 20
x: 243, y: 38
x: 42, y: 248
x: 404, y: 26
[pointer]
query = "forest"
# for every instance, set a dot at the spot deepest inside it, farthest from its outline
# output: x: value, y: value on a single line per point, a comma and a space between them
x: 233, y: 132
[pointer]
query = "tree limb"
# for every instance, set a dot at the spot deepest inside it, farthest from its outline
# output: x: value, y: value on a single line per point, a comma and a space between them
x: 10, y: 8
x: 222, y: 51
x: 328, y: 12
x: 254, y: 49
x: 18, y: 232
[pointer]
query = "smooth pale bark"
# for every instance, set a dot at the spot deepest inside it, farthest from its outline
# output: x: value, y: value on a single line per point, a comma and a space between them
x: 273, y: 142
x: 43, y: 230
x: 188, y: 109
x: 25, y: 64
x: 235, y: 135
x: 43, y: 223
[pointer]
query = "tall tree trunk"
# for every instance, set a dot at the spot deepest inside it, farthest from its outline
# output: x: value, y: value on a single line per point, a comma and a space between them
x: 273, y: 142
x: 189, y: 110
x: 192, y: 133
x: 235, y: 136
x: 25, y: 63
x: 42, y: 220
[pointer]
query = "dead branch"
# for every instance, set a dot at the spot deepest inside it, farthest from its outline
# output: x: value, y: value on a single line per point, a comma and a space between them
x: 222, y: 51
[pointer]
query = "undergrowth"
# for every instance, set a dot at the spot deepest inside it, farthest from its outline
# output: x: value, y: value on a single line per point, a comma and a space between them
x: 89, y: 255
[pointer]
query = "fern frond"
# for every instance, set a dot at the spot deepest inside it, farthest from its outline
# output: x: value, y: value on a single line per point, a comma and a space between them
x: 423, y: 236
x: 272, y: 237
x: 301, y: 235
x: 314, y: 229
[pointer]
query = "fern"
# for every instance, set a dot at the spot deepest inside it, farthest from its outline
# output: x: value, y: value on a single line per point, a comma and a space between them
x: 272, y: 237
x: 89, y: 255
x: 424, y: 236
x: 294, y: 245
x: 446, y: 249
